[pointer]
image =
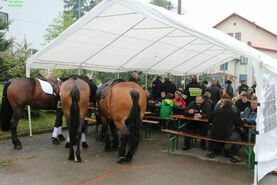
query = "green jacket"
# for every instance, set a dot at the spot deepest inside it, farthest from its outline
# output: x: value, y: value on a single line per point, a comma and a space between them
x: 166, y: 108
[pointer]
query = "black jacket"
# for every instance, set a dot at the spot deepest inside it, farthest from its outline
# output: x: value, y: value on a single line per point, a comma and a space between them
x: 243, y: 87
x: 168, y: 87
x: 192, y: 90
x: 241, y: 106
x: 156, y: 88
x: 215, y: 93
x: 230, y: 91
x: 224, y: 121
x: 204, y: 109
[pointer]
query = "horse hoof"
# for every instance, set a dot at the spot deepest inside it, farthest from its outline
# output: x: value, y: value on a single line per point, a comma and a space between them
x: 55, y: 141
x: 61, y: 137
x: 71, y: 157
x: 79, y: 159
x: 84, y: 145
x: 17, y: 145
x: 67, y: 145
x: 108, y: 150
x: 121, y: 160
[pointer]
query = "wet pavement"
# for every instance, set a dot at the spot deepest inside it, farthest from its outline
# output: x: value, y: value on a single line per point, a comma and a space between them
x: 41, y: 163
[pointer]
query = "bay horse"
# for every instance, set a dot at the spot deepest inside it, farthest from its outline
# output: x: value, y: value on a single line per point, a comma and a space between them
x: 74, y: 94
x: 123, y: 106
x: 21, y: 92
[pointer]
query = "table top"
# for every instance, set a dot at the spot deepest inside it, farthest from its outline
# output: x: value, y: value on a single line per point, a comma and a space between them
x: 189, y: 118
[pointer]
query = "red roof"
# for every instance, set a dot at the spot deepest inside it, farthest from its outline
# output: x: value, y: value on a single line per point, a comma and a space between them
x: 253, y: 23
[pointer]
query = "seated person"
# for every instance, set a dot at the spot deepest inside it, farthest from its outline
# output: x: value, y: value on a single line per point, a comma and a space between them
x: 151, y: 104
x: 180, y: 101
x: 207, y: 96
x: 198, y: 109
x: 225, y: 124
x: 249, y: 115
x: 242, y: 103
x: 159, y: 100
x: 220, y: 104
x: 166, y: 110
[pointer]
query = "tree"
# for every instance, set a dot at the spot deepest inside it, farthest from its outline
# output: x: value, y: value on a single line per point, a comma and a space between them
x: 163, y: 3
x: 4, y: 46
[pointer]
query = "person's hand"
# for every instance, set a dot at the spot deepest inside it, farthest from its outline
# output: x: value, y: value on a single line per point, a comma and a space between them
x: 191, y: 111
x: 198, y: 116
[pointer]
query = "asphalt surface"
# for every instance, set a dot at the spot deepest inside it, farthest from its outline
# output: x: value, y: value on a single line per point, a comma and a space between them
x: 41, y: 163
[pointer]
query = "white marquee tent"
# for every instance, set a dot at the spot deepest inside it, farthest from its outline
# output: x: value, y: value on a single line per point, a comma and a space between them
x: 124, y: 35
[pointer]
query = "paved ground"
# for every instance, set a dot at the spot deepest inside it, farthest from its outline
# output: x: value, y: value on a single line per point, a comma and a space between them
x: 41, y: 163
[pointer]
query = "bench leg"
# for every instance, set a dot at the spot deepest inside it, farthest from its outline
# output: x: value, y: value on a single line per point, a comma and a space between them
x: 250, y: 157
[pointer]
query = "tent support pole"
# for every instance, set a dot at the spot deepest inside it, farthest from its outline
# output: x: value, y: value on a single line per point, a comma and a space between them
x: 146, y: 81
x: 118, y: 74
x: 28, y: 71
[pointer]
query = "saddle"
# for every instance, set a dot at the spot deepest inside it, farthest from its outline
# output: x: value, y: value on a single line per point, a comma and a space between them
x: 102, y: 90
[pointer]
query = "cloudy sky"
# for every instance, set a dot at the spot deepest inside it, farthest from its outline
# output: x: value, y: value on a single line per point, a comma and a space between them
x: 31, y: 20
x: 210, y: 12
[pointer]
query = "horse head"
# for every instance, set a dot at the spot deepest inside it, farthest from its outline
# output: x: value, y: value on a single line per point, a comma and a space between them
x: 55, y: 83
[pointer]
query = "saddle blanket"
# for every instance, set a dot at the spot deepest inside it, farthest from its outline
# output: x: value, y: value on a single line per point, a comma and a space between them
x: 46, y: 87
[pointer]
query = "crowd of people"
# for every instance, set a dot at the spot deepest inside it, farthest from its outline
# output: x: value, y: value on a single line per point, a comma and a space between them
x: 226, y: 109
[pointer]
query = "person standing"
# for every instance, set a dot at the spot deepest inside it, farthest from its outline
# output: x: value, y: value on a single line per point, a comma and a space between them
x: 192, y: 90
x: 254, y: 86
x: 156, y: 87
x: 168, y: 87
x: 205, y: 86
x: 229, y: 89
x: 215, y: 92
x: 243, y: 86
x: 134, y: 77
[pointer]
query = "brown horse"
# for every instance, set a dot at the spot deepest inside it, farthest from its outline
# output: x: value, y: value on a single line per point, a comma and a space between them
x: 75, y: 95
x: 123, y: 106
x: 21, y: 92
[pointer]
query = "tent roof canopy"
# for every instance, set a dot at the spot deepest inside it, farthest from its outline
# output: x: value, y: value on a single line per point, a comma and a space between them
x: 124, y: 35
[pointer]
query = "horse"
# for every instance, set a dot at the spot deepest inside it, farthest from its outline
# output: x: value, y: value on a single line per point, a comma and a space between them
x: 21, y: 92
x: 122, y: 106
x: 74, y: 94
x: 56, y: 137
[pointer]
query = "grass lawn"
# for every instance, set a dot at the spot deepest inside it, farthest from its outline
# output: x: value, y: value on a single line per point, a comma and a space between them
x: 45, y: 121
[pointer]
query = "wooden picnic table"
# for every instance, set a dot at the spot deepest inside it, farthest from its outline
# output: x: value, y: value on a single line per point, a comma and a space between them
x: 189, y: 118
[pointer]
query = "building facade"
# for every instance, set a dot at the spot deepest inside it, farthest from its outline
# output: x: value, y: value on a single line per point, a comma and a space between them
x: 255, y: 36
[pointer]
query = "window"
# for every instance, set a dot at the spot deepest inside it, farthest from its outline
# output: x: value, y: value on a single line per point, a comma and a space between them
x: 224, y: 67
x: 4, y: 17
x: 243, y: 60
x: 231, y: 34
x: 243, y: 77
x: 238, y: 35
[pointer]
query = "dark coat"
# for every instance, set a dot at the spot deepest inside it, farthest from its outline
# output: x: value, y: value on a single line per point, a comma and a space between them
x: 224, y: 122
x: 241, y: 106
x: 156, y: 88
x: 230, y: 91
x: 168, y: 87
x: 243, y: 87
x: 192, y: 90
x: 215, y: 93
x: 204, y: 109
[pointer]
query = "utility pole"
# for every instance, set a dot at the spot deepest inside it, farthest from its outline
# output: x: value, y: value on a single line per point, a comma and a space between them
x: 180, y: 7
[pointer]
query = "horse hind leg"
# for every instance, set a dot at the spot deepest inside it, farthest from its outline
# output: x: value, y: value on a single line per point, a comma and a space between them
x: 83, y: 136
x: 123, y: 143
x: 57, y: 135
x: 14, y: 122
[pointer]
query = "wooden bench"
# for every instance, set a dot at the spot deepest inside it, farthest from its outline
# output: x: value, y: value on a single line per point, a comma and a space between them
x: 173, y: 135
x: 146, y: 125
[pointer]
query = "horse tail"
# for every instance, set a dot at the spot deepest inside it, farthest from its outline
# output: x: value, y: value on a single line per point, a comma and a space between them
x: 134, y: 119
x: 6, y: 110
x: 74, y: 115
